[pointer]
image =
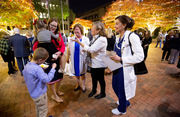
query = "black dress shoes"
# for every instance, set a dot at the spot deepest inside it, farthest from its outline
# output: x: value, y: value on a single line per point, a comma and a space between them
x: 77, y: 88
x: 101, y: 95
x: 13, y: 72
x: 92, y: 93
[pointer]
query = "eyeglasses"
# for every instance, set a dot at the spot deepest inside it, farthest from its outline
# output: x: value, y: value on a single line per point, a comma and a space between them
x: 53, y: 26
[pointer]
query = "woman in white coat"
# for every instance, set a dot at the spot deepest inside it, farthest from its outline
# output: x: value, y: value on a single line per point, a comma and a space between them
x: 124, y: 79
x: 97, y: 48
x: 77, y: 56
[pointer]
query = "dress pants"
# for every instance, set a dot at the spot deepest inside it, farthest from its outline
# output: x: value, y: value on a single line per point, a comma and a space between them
x: 146, y: 52
x: 97, y: 74
x: 164, y: 53
x: 174, y: 56
x: 22, y: 61
x: 118, y: 87
x: 10, y: 67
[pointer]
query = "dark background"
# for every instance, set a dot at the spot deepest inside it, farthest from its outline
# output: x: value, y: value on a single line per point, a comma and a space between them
x: 80, y: 6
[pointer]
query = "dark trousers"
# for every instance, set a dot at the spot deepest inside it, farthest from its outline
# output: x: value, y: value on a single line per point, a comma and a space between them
x: 118, y: 87
x: 10, y: 67
x: 22, y: 61
x: 164, y: 53
x: 97, y: 74
x: 146, y: 52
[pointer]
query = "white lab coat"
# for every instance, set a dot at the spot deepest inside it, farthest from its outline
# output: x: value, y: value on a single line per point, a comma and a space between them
x: 129, y: 60
x: 82, y: 56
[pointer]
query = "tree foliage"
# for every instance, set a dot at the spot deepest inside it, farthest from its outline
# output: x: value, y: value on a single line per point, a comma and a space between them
x: 87, y: 24
x: 55, y: 11
x: 16, y: 13
x: 148, y: 13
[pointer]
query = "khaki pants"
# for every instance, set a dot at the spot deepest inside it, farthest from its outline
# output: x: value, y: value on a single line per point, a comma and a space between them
x: 41, y: 105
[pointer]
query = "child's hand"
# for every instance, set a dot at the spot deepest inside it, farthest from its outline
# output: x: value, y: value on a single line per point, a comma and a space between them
x: 54, y: 65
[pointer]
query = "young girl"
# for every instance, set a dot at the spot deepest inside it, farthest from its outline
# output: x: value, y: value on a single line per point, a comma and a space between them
x: 44, y: 38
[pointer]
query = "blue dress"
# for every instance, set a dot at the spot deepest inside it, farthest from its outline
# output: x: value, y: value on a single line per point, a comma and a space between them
x: 118, y: 81
x: 77, y: 59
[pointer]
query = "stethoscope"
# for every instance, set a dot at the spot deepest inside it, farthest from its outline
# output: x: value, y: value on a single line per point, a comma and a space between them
x: 119, y: 42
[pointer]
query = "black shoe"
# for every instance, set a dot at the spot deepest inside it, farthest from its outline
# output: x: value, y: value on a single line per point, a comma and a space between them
x: 100, y: 96
x: 92, y: 93
x: 13, y: 72
x: 84, y: 90
x: 77, y: 88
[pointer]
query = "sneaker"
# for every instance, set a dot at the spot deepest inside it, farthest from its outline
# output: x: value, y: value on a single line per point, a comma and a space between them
x: 117, y: 112
x: 61, y: 70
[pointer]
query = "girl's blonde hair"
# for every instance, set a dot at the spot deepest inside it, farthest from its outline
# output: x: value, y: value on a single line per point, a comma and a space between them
x: 109, y: 33
x: 100, y: 26
x: 38, y: 26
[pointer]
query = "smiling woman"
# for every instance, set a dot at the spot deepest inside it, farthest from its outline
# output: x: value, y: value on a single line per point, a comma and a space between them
x: 77, y: 55
x: 97, y: 48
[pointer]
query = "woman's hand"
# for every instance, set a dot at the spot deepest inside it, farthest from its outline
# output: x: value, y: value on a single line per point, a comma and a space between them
x: 115, y: 58
x: 58, y: 54
x: 54, y: 65
x: 76, y: 40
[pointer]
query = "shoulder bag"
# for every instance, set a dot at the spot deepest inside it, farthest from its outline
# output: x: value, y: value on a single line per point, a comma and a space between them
x: 139, y: 68
x: 88, y: 58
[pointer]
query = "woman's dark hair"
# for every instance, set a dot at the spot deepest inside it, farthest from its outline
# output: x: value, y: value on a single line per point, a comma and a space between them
x: 80, y: 27
x: 147, y: 35
x: 56, y: 20
x: 124, y: 19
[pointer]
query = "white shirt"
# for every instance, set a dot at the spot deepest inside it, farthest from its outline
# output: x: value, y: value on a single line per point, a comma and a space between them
x: 97, y: 50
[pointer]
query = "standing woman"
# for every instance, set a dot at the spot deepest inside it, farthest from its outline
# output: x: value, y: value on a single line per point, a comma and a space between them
x: 97, y: 48
x: 124, y: 78
x: 146, y: 41
x: 77, y: 56
x: 53, y: 26
x: 166, y: 48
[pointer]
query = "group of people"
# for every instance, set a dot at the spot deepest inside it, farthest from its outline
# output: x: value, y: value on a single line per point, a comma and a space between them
x: 49, y: 49
x: 171, y: 48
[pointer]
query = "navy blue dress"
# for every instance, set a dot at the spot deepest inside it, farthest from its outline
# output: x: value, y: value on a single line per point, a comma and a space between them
x: 118, y: 81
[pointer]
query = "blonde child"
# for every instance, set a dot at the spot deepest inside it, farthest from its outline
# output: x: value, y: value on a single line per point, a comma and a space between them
x: 36, y: 80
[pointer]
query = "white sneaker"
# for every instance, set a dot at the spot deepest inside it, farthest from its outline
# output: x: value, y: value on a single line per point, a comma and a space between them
x: 116, y: 112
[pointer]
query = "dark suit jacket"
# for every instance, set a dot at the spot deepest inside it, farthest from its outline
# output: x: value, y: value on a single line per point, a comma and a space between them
x: 20, y: 45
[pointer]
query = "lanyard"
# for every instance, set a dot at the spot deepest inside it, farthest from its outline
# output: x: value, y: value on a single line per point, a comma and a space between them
x: 119, y: 42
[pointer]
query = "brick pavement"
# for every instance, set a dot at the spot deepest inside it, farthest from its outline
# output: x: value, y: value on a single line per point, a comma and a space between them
x: 157, y: 94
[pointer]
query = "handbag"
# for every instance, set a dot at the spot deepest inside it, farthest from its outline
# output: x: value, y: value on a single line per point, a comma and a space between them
x: 88, y: 57
x: 139, y: 68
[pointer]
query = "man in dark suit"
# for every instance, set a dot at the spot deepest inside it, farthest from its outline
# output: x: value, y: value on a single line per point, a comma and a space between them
x: 21, y: 46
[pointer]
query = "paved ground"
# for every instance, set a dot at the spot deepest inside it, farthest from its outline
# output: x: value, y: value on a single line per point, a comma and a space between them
x: 157, y: 94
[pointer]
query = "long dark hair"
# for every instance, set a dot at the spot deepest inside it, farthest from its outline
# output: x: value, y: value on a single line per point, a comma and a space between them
x: 147, y: 35
x: 124, y: 19
x: 56, y: 20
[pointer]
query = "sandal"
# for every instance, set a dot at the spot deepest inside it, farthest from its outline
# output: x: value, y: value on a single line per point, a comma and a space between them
x: 60, y: 93
x: 57, y: 100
